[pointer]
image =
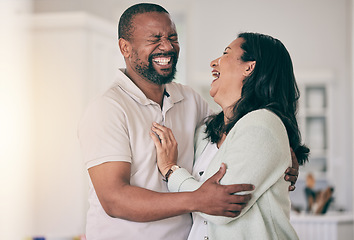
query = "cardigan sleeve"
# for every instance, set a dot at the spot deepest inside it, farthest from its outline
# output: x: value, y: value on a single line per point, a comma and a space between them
x: 255, y: 151
x: 181, y: 180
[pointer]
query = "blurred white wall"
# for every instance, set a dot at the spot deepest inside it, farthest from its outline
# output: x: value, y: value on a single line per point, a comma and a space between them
x: 43, y: 182
x: 74, y: 57
x: 352, y: 78
x: 16, y: 121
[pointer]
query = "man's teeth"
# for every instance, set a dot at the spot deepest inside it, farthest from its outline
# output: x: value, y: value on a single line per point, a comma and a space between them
x: 162, y: 61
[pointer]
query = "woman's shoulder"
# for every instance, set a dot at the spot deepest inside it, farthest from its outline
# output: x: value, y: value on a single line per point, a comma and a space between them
x: 261, y: 118
x: 259, y: 126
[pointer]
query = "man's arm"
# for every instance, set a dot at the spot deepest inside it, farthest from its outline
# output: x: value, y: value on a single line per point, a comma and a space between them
x: 119, y: 199
x: 292, y: 172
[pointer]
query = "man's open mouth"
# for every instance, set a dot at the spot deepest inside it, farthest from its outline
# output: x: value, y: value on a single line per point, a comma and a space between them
x: 162, y: 61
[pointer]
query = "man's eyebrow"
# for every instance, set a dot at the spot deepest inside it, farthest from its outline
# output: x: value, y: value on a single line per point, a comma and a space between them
x: 155, y: 35
x: 160, y: 35
x: 227, y: 48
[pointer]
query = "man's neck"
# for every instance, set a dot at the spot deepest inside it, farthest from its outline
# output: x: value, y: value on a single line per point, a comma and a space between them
x: 151, y: 90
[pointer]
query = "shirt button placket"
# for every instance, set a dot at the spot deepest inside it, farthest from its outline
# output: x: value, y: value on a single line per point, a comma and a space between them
x: 163, y: 120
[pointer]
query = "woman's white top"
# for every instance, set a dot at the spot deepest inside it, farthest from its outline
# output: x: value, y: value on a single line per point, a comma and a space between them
x: 199, y: 229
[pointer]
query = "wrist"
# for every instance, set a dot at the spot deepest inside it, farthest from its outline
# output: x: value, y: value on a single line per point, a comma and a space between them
x: 165, y: 169
x: 170, y: 171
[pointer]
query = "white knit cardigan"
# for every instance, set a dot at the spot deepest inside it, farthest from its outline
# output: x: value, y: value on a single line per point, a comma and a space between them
x: 256, y: 151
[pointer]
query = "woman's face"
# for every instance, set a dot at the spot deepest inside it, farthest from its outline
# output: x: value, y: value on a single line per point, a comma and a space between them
x: 229, y: 72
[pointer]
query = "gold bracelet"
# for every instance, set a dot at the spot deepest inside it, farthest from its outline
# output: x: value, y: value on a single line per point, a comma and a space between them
x: 170, y: 171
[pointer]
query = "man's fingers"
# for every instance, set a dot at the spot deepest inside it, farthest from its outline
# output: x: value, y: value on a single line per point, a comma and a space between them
x: 236, y: 188
x: 291, y: 179
x: 292, y: 171
x: 240, y: 199
x: 219, y: 174
x: 232, y: 214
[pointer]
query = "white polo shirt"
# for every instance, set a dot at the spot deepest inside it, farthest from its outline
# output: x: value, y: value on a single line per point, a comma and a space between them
x: 116, y: 127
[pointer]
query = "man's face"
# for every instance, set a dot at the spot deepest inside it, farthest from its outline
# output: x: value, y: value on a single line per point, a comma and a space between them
x: 155, y: 47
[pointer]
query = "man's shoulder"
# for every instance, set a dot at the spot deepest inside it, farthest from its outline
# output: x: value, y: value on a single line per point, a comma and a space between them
x: 186, y: 91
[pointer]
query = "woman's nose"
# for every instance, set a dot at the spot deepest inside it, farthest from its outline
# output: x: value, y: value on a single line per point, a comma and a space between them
x: 214, y: 63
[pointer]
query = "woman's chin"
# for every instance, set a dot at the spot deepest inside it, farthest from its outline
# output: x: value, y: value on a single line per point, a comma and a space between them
x: 212, y: 93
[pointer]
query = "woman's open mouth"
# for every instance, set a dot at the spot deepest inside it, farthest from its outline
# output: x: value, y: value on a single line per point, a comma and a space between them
x: 215, y: 74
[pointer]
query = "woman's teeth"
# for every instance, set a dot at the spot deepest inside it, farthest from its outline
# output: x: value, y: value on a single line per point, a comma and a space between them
x: 162, y: 61
x: 216, y: 75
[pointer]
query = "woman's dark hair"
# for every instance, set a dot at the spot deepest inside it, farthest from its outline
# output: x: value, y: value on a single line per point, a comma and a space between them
x: 125, y: 25
x: 270, y: 86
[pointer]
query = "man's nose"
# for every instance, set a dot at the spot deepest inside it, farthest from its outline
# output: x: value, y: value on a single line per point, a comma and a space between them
x: 165, y: 45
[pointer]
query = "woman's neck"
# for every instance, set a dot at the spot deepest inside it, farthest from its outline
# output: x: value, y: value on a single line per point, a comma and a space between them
x: 228, y: 114
x: 222, y: 139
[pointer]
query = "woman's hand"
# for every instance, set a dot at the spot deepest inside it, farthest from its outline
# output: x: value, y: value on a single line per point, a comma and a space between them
x: 166, y: 147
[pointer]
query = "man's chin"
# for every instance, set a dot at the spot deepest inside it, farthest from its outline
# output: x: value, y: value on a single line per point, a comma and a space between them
x: 157, y: 75
x: 164, y: 72
x: 166, y: 76
x: 164, y: 80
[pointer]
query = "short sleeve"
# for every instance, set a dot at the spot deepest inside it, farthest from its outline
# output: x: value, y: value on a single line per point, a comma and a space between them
x: 103, y: 133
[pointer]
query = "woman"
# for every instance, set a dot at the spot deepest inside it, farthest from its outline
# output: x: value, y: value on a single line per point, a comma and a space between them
x: 255, y: 86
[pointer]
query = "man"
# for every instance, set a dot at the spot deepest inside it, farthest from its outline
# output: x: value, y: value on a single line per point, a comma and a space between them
x: 128, y: 196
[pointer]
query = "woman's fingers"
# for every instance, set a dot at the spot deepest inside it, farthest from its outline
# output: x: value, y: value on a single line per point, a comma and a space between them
x: 165, y: 134
x: 166, y: 147
x: 155, y: 139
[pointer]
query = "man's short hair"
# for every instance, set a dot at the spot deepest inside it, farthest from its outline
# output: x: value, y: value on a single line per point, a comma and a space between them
x: 125, y: 26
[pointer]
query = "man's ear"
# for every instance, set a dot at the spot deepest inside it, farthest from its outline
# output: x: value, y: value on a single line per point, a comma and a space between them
x: 250, y: 67
x: 125, y: 47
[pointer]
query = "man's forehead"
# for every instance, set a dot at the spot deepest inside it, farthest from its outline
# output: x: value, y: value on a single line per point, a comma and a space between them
x: 153, y: 21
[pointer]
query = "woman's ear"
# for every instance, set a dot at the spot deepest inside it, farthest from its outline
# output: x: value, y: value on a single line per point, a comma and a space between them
x: 250, y: 67
x: 125, y: 47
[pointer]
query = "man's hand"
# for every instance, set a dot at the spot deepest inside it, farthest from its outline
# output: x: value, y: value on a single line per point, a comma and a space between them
x: 215, y: 199
x: 292, y: 172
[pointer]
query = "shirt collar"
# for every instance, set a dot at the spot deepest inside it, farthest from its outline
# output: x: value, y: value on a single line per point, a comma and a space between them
x: 172, y: 93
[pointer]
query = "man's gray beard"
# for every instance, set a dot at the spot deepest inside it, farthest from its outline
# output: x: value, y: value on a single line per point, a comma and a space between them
x: 149, y: 73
